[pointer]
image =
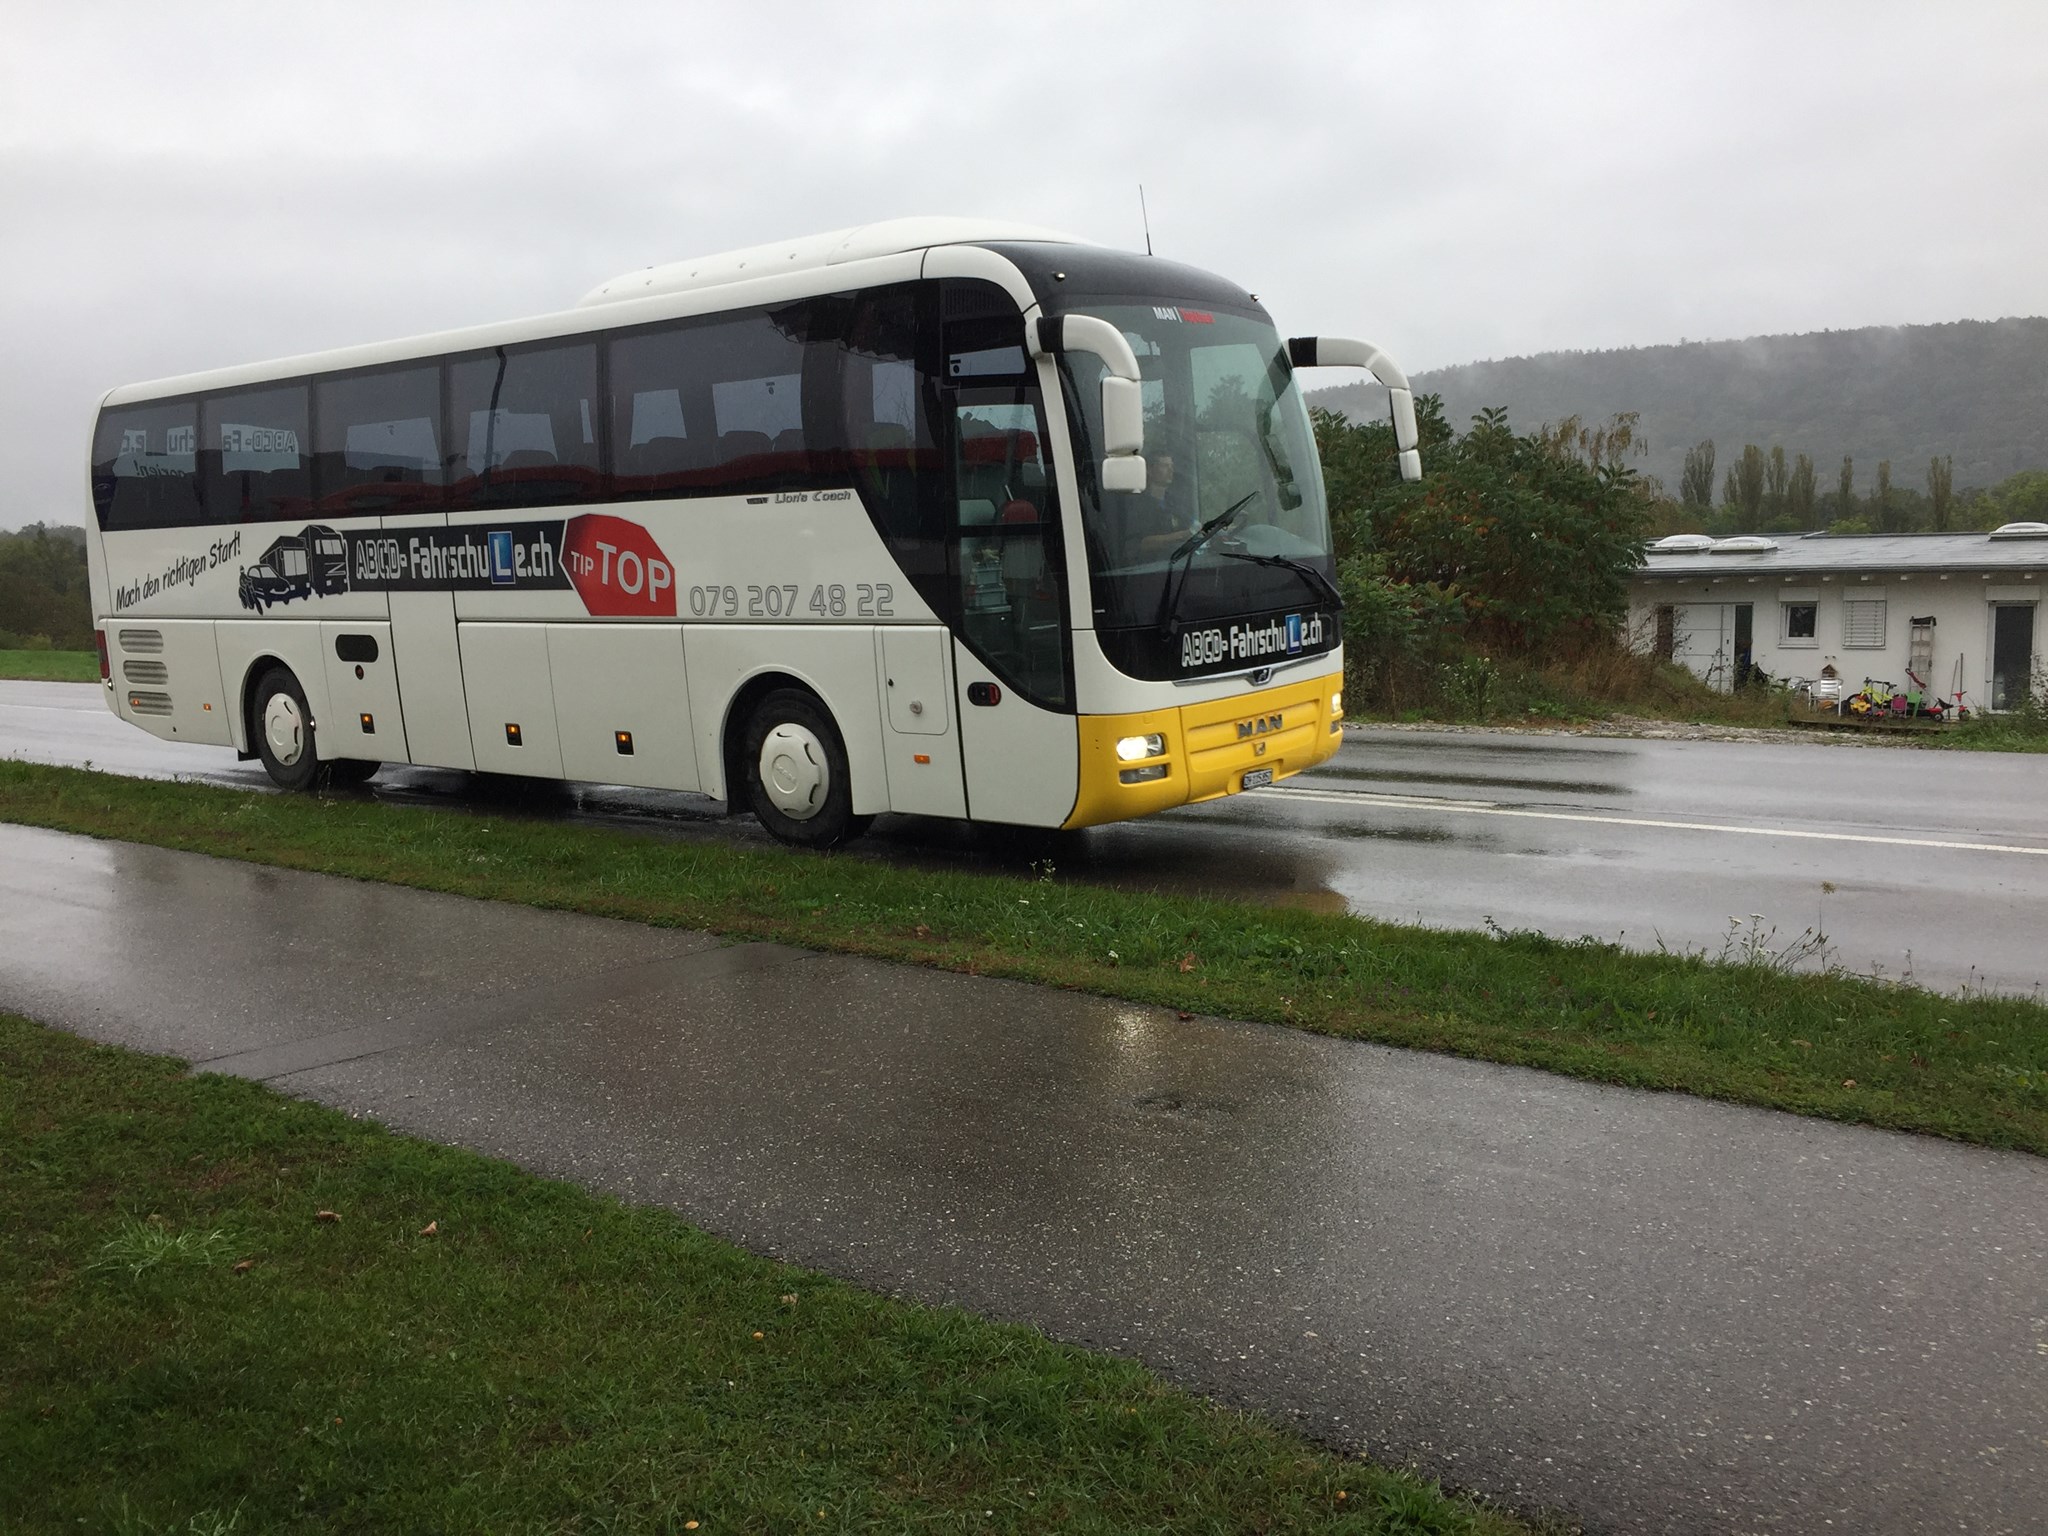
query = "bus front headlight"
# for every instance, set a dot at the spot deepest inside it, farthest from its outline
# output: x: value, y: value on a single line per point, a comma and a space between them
x: 1129, y: 749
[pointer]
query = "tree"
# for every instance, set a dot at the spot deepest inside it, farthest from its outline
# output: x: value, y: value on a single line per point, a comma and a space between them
x: 1777, y: 480
x: 1745, y: 488
x: 1845, y: 489
x: 1512, y: 542
x: 1881, y: 498
x: 1696, y: 484
x: 1799, y: 494
x: 1941, y: 479
x: 43, y: 588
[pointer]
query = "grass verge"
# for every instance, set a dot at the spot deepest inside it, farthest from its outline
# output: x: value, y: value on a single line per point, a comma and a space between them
x: 2021, y: 731
x: 186, y: 1345
x: 1973, y: 1068
x: 50, y: 666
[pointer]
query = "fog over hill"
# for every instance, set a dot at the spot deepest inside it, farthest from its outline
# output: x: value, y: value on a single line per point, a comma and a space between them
x: 1976, y: 389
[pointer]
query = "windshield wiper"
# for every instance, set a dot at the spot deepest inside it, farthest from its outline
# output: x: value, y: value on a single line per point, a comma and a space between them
x: 1318, y: 582
x: 1169, y: 599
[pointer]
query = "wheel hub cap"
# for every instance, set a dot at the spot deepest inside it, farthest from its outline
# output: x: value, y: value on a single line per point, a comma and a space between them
x: 794, y: 772
x: 284, y: 728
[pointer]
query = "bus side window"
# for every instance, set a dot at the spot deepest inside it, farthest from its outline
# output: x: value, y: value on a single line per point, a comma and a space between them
x: 712, y: 407
x: 377, y: 442
x: 523, y: 427
x: 661, y: 432
x: 144, y: 467
x: 886, y: 427
x: 1011, y: 571
x: 253, y: 461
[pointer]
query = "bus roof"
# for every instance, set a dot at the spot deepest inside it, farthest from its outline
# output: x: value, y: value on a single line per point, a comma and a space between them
x: 758, y: 264
x: 890, y: 237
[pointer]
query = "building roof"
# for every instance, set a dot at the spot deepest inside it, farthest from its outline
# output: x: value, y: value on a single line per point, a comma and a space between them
x: 1792, y: 555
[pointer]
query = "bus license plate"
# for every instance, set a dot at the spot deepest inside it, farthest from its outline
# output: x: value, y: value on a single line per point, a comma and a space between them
x: 1257, y: 777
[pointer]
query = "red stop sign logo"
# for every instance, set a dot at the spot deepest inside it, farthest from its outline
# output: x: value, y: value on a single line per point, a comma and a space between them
x: 617, y: 568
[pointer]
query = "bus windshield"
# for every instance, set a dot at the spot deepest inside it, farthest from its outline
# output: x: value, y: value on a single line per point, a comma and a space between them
x: 1225, y: 428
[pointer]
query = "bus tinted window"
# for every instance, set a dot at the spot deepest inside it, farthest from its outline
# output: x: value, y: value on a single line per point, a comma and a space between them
x: 657, y: 401
x: 523, y: 425
x: 887, y: 428
x: 377, y: 443
x: 253, y: 463
x: 144, y: 463
x: 709, y: 407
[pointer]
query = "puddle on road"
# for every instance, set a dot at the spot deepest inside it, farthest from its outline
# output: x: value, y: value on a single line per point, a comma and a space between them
x: 1180, y: 1104
x: 1359, y: 830
x: 1468, y: 780
x: 1401, y: 742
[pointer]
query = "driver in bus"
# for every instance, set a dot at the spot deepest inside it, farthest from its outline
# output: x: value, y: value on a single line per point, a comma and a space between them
x: 1158, y: 518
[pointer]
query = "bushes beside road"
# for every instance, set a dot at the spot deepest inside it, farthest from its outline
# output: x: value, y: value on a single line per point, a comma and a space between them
x: 44, y: 598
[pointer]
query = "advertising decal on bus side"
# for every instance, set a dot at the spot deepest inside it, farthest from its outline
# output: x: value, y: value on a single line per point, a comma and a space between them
x: 614, y: 565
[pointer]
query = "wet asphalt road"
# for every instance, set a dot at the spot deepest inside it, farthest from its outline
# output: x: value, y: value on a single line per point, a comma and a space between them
x: 1653, y: 1312
x: 1927, y: 865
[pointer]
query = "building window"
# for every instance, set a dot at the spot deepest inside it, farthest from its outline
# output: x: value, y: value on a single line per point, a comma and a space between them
x: 1863, y: 623
x: 1800, y: 624
x: 1667, y: 631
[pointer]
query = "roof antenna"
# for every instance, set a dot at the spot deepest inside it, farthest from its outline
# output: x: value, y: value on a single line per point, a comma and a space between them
x: 1146, y: 217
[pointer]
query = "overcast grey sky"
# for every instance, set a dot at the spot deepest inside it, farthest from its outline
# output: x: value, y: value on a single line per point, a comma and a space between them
x: 191, y: 185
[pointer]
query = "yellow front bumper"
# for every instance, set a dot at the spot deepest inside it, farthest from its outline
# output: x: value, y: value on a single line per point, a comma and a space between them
x: 1209, y: 748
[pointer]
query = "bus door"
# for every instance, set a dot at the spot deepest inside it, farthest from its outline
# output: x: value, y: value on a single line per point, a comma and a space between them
x: 430, y: 693
x: 1018, y: 736
x: 922, y: 748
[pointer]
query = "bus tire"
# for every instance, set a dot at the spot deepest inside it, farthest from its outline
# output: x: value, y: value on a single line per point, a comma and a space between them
x: 281, y: 728
x: 796, y: 770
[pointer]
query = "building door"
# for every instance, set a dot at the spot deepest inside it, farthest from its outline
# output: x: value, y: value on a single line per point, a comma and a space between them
x: 2012, y: 654
x: 1703, y: 634
x: 1745, y: 643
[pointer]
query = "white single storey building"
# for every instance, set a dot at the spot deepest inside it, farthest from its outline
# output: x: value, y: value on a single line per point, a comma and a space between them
x: 1956, y: 611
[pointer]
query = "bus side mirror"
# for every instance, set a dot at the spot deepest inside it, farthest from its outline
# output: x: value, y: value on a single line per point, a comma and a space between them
x: 1123, y: 434
x: 1336, y: 352
x: 1123, y: 393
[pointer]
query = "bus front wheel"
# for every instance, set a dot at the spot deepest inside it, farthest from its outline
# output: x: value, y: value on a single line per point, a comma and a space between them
x: 282, y: 726
x: 796, y: 772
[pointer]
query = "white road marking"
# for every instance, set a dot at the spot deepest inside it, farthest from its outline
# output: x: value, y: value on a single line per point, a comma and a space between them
x: 1366, y: 799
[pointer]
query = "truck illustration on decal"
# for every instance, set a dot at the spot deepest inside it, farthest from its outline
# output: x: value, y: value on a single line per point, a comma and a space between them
x: 313, y: 561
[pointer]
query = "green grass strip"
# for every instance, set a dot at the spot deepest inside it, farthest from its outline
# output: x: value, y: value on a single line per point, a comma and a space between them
x: 50, y: 666
x: 186, y: 1345
x: 1972, y: 1068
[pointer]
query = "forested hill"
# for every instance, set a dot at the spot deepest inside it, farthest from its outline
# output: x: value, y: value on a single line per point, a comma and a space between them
x: 1975, y: 389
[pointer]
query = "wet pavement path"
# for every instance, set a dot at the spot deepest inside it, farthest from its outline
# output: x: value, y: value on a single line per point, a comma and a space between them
x: 1657, y: 1313
x: 1928, y: 865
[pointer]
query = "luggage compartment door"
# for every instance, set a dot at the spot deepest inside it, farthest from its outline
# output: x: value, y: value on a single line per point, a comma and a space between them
x: 511, y: 699
x: 622, y: 704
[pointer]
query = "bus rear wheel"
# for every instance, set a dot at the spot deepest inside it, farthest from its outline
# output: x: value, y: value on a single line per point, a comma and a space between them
x: 282, y: 726
x: 796, y: 771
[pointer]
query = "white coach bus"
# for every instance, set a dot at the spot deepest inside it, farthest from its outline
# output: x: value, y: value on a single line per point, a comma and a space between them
x: 931, y: 516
